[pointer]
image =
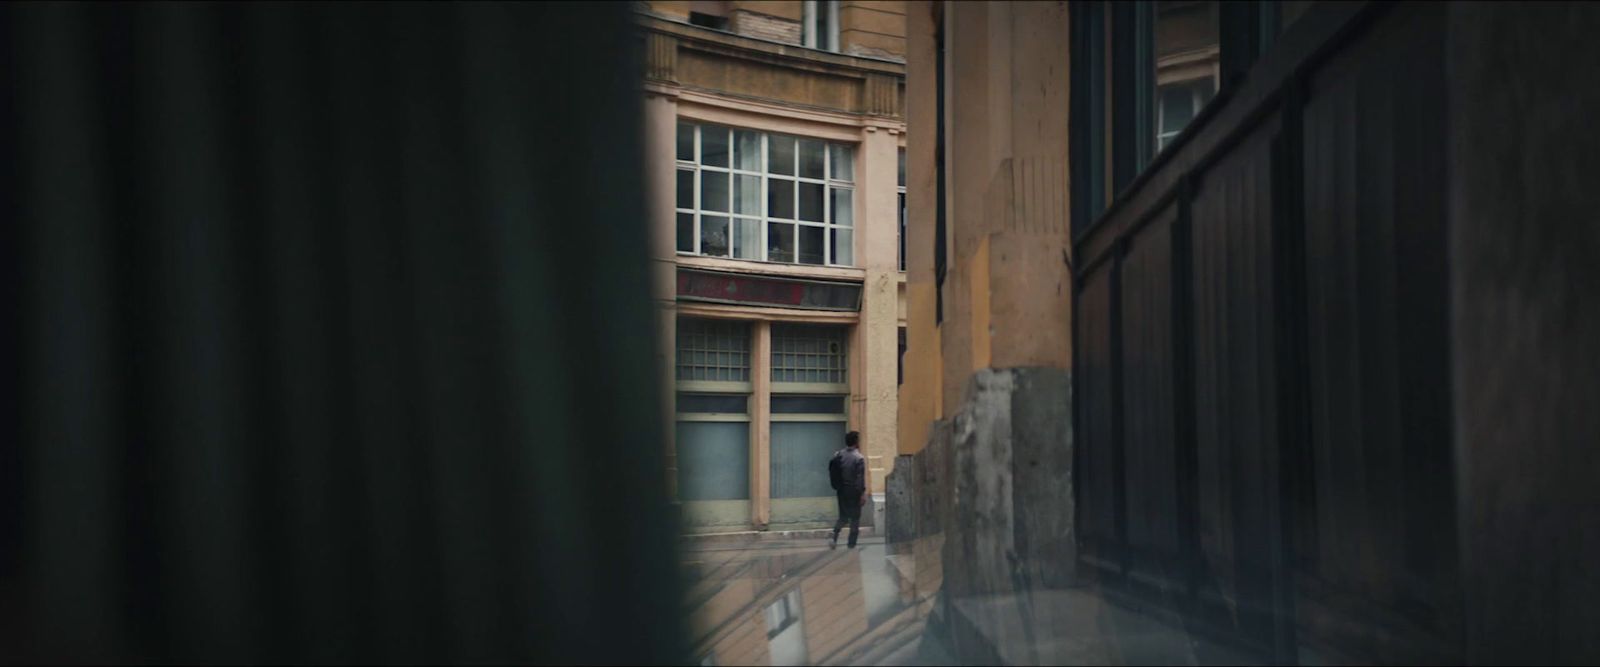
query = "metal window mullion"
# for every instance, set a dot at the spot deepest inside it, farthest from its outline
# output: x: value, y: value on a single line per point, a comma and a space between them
x: 809, y: 417
x: 732, y: 183
x: 794, y: 227
x: 724, y: 417
x: 827, y: 203
x: 765, y: 243
x: 697, y: 189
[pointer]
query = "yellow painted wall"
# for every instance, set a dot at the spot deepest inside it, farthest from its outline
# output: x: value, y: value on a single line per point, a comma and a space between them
x: 920, y: 394
x: 1007, y: 292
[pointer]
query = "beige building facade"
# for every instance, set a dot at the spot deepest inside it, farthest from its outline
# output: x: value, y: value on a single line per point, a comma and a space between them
x: 774, y: 133
x: 999, y: 297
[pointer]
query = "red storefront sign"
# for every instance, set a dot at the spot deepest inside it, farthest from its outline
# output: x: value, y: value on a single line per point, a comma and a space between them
x: 735, y: 288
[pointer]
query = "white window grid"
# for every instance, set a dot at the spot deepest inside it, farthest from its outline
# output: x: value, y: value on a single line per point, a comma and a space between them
x: 837, y: 227
x: 713, y: 351
x: 812, y: 354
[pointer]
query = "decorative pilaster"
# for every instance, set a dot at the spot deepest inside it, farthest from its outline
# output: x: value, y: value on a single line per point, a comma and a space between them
x: 661, y: 58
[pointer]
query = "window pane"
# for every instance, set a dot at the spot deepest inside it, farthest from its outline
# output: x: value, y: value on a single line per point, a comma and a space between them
x: 842, y: 202
x: 747, y: 194
x: 841, y: 162
x: 713, y: 191
x: 811, y: 158
x: 747, y: 150
x: 780, y: 155
x: 685, y: 188
x: 737, y: 404
x: 780, y: 198
x: 800, y: 453
x: 780, y: 242
x: 686, y: 232
x: 1177, y: 107
x: 714, y: 460
x: 806, y: 405
x: 902, y: 167
x: 842, y: 240
x: 714, y: 235
x: 1186, y: 56
x: 810, y: 244
x: 811, y: 202
x: 747, y: 238
x: 717, y: 350
x: 809, y: 353
x: 714, y: 146
x: 685, y: 142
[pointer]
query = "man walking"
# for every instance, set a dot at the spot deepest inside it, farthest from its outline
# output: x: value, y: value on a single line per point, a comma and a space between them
x: 847, y: 471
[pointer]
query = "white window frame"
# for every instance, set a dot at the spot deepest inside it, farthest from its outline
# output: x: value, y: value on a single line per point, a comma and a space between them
x: 764, y: 218
x: 830, y: 10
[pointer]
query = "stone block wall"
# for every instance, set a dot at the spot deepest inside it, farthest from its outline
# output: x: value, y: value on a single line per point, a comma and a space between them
x: 996, y: 480
x: 765, y: 26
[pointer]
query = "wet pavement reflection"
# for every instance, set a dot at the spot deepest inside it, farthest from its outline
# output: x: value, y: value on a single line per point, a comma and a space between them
x: 796, y: 602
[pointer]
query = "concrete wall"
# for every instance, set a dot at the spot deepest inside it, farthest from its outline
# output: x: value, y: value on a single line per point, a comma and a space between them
x: 1524, y: 240
x: 765, y: 26
x: 995, y: 481
x: 876, y: 29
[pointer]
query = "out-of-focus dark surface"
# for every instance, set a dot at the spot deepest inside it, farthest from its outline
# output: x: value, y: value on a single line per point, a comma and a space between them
x: 330, y: 335
x: 1336, y: 360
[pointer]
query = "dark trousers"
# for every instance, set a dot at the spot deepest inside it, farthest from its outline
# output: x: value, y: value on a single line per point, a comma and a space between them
x: 849, y: 510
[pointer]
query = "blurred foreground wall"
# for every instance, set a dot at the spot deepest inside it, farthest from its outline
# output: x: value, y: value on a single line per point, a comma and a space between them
x: 330, y: 330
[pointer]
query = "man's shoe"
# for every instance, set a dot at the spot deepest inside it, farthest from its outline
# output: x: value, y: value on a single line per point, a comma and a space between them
x: 833, y: 542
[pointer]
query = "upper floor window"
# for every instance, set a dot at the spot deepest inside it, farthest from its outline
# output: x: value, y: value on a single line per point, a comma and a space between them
x: 1187, y: 55
x: 767, y: 197
x: 711, y: 14
x: 822, y: 24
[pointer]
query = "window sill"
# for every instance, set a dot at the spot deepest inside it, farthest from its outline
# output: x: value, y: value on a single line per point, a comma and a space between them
x: 773, y: 268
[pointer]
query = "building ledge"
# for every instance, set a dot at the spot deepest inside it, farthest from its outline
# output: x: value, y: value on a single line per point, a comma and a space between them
x: 854, y: 274
x: 766, y: 49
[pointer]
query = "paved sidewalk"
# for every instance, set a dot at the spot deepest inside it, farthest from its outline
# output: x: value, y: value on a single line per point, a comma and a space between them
x: 694, y: 540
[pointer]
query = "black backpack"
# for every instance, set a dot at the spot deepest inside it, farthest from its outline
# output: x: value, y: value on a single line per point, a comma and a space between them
x: 836, y: 470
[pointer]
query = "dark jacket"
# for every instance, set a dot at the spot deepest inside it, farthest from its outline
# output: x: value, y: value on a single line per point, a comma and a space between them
x: 847, y: 471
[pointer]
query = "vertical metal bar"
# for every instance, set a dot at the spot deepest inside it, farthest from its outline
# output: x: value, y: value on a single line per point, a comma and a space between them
x: 1124, y: 98
x: 1267, y: 17
x: 1289, y: 291
x: 1119, y: 461
x: 1144, y: 84
x: 1237, y: 34
x: 696, y: 193
x: 1096, y: 65
x: 1183, y: 403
